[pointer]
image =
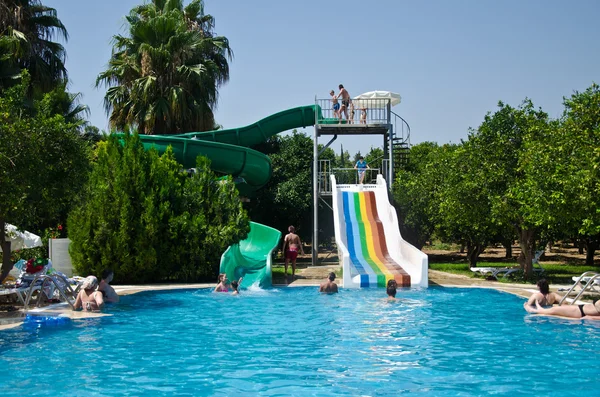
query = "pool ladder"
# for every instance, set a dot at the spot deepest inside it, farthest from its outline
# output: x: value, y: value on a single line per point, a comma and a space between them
x: 52, y: 280
x: 588, y: 282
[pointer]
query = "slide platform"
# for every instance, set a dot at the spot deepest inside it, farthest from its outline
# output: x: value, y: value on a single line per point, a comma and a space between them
x: 370, y: 246
x: 251, y: 258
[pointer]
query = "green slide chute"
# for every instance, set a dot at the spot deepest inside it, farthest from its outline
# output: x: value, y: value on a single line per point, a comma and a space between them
x: 251, y: 258
x: 229, y: 153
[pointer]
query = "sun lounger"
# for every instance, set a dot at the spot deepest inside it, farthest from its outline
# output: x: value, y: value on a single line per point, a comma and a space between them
x: 495, y: 272
x: 489, y: 271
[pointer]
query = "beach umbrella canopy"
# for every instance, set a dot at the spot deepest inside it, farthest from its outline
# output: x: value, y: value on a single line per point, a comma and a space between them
x: 376, y: 99
x: 21, y: 239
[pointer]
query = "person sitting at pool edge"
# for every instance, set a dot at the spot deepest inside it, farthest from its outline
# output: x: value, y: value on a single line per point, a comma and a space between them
x: 88, y: 298
x: 329, y: 286
x: 222, y: 285
x: 108, y: 292
x: 544, y: 297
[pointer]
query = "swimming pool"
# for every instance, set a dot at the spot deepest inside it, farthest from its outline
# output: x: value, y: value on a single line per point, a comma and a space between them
x: 294, y: 341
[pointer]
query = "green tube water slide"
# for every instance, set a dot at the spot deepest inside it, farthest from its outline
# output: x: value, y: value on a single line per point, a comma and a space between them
x: 229, y: 153
x: 228, y: 149
x: 251, y: 258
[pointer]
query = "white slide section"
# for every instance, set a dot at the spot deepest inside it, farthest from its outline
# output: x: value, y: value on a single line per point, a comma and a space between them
x: 412, y: 260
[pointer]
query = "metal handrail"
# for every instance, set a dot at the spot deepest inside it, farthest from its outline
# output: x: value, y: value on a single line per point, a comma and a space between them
x: 360, y: 111
x: 588, y: 284
x: 45, y: 278
x: 404, y: 127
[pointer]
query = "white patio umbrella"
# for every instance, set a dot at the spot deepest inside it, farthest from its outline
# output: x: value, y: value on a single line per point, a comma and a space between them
x: 376, y: 99
x: 21, y: 239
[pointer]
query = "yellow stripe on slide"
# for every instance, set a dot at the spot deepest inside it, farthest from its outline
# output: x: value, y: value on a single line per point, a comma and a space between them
x: 369, y: 237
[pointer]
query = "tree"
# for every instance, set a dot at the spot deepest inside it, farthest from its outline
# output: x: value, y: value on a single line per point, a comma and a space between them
x: 164, y: 76
x: 464, y: 206
x: 562, y: 174
x: 144, y: 217
x: 43, y: 163
x: 500, y: 143
x: 416, y: 191
x: 29, y: 28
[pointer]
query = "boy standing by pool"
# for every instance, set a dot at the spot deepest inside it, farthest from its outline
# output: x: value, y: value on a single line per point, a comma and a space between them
x: 361, y: 165
x: 291, y: 246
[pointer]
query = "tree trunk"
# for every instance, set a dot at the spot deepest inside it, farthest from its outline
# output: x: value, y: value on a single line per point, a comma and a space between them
x: 462, y: 247
x: 591, y: 245
x: 580, y: 245
x: 527, y: 244
x: 508, y: 246
x: 6, y: 262
x: 473, y: 252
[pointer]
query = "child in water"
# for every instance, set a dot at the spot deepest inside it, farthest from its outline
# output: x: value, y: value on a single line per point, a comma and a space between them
x: 235, y: 286
x: 222, y: 285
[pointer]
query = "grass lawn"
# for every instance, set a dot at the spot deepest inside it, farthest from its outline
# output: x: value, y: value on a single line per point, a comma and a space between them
x: 555, y: 273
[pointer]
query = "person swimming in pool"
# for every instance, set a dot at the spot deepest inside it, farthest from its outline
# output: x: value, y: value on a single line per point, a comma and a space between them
x: 392, y: 285
x: 235, y: 286
x: 88, y: 298
x: 589, y: 311
x: 544, y: 297
x: 222, y: 285
x: 329, y: 287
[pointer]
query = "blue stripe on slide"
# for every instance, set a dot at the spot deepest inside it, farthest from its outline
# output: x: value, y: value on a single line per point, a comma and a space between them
x: 353, y: 241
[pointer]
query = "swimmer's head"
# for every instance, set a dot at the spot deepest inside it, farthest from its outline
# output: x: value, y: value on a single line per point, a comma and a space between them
x: 543, y: 286
x: 234, y: 285
x: 292, y: 229
x: 90, y: 282
x: 331, y: 276
x: 391, y: 291
x: 222, y: 277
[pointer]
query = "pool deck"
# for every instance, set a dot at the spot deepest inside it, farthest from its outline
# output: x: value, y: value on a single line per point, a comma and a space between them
x: 310, y: 276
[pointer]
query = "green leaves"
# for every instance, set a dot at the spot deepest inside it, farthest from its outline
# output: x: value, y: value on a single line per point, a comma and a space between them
x: 147, y: 219
x: 163, y: 78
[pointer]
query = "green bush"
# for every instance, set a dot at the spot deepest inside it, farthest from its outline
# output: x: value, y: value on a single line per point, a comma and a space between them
x: 145, y: 218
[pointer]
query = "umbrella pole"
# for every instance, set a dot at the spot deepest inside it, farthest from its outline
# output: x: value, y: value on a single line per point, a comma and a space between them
x: 6, y: 262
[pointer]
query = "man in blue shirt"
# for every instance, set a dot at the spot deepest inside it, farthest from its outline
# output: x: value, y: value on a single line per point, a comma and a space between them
x: 361, y: 165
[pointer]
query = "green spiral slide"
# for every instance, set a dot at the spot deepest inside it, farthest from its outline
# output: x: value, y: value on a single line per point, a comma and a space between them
x: 229, y: 153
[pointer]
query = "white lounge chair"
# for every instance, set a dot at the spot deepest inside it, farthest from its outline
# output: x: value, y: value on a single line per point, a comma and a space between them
x: 496, y: 271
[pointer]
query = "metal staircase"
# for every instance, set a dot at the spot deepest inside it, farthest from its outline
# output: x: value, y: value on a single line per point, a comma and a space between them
x: 400, y: 141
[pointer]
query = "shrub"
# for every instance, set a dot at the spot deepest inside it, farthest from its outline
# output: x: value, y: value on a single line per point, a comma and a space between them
x: 145, y: 218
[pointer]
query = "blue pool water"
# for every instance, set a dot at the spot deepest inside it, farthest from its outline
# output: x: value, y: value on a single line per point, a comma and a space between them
x: 294, y: 341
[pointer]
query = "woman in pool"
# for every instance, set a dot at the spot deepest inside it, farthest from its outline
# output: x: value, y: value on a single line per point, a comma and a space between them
x: 88, y: 298
x: 588, y: 311
x: 222, y: 285
x: 544, y: 297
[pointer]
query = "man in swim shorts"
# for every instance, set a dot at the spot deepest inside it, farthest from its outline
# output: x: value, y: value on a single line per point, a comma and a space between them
x: 336, y: 105
x: 329, y: 287
x: 345, y: 101
x: 291, y: 246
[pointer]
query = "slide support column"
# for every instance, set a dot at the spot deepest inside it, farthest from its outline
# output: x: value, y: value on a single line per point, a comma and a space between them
x: 315, y: 240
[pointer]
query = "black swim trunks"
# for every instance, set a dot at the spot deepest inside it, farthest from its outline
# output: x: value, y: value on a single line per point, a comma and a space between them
x: 346, y: 103
x: 581, y: 310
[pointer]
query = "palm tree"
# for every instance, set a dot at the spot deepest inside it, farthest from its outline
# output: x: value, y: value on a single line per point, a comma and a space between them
x: 28, y: 28
x: 164, y: 76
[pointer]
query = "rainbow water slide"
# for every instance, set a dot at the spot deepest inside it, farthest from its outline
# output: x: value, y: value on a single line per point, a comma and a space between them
x: 370, y: 246
x: 229, y: 153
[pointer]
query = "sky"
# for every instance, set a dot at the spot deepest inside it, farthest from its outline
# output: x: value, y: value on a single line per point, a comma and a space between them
x: 451, y: 61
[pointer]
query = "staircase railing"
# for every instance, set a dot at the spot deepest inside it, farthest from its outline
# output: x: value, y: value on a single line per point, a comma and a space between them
x: 401, y: 129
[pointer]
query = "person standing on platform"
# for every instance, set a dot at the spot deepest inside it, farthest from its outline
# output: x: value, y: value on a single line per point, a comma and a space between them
x: 362, y: 166
x: 345, y: 102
